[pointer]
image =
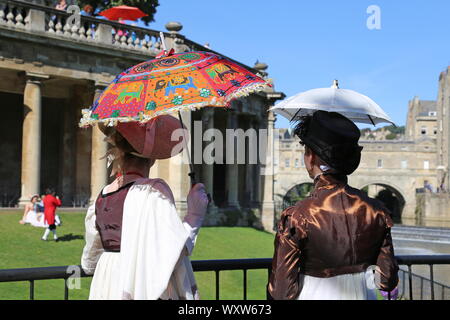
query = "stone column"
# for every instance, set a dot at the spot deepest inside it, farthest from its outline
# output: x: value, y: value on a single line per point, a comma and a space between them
x: 268, y: 204
x: 99, y: 172
x: 231, y: 179
x: 31, y: 138
x: 178, y: 168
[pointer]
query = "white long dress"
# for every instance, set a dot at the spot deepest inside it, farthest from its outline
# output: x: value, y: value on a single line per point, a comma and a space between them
x: 354, y: 286
x: 38, y: 219
x: 153, y: 261
x: 35, y: 219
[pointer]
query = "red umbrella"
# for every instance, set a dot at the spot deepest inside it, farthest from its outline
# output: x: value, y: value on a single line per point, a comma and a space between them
x: 123, y: 12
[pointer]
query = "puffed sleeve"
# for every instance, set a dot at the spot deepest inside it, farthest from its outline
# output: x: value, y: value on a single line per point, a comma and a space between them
x: 386, y: 262
x: 164, y: 188
x: 284, y: 279
x: 93, y: 248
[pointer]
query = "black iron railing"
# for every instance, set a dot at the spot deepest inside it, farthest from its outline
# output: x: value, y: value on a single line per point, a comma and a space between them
x: 65, y: 272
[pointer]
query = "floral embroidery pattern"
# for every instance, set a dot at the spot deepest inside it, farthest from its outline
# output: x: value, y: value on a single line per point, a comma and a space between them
x: 115, y: 114
x: 177, y: 100
x: 150, y: 105
x: 205, y: 93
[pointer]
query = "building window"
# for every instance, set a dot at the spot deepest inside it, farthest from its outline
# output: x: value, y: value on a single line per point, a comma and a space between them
x: 380, y: 163
x: 303, y: 161
x: 435, y: 130
x: 426, y: 164
x: 286, y: 163
x: 404, y: 164
x: 423, y: 130
x: 432, y: 113
x: 296, y: 163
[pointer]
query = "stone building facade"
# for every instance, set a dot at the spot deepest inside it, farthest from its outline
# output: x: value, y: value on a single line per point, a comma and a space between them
x: 51, y: 69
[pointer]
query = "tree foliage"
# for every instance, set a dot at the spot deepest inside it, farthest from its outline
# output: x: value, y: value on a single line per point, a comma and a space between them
x: 147, y: 6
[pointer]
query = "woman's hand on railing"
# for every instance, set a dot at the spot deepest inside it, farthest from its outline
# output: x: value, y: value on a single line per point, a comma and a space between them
x: 197, y: 203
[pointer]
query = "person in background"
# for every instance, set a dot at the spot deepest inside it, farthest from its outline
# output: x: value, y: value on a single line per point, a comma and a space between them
x: 328, y: 245
x: 88, y: 10
x: 30, y: 211
x: 62, y: 5
x: 428, y: 186
x: 51, y: 202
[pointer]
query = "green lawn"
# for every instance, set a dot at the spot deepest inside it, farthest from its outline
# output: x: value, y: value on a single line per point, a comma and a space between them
x: 21, y: 247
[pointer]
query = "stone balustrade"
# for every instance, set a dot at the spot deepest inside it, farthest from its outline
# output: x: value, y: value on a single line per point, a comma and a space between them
x: 28, y: 17
x: 41, y: 20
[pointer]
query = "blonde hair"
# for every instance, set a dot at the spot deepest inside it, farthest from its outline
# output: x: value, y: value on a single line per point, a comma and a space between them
x: 121, y: 152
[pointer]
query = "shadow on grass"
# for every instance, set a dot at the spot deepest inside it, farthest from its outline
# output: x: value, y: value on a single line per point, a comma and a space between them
x: 70, y: 237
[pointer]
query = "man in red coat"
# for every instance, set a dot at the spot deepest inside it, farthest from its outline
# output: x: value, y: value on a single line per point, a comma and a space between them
x: 50, y: 203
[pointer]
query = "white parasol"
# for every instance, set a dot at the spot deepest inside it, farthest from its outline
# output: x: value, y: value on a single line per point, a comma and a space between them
x: 353, y: 105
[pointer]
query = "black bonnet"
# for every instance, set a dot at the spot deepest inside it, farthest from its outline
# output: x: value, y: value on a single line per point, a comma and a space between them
x: 333, y: 137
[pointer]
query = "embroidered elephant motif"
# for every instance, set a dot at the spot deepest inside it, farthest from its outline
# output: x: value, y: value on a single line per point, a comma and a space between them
x: 179, y: 82
x: 124, y: 94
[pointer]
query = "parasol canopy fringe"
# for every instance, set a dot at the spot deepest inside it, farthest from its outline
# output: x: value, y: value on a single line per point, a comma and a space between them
x: 87, y: 120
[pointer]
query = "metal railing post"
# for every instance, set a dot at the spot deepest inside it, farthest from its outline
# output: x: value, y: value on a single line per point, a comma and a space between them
x: 31, y: 289
x: 217, y: 284
x: 245, y: 284
x: 410, y: 283
x: 432, y: 281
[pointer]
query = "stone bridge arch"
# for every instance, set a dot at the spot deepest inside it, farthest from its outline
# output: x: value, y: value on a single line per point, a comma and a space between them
x: 284, y: 186
x: 392, y: 197
x: 401, y: 188
x: 297, y: 192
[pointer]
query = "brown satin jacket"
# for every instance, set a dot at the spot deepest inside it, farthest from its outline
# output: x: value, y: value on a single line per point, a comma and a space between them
x: 336, y: 230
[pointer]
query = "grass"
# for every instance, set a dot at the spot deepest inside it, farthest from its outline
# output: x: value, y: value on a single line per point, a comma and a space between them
x: 21, y: 247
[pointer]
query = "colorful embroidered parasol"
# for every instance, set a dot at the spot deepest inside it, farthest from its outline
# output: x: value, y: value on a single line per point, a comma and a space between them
x: 172, y: 83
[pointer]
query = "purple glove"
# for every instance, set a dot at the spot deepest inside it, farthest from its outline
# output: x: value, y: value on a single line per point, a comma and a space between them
x: 197, y: 203
x: 394, y: 294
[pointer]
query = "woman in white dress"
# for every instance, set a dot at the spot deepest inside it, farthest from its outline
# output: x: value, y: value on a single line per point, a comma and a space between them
x: 32, y: 214
x: 137, y: 247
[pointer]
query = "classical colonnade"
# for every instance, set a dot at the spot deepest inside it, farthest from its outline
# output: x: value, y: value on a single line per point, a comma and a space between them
x: 241, y: 181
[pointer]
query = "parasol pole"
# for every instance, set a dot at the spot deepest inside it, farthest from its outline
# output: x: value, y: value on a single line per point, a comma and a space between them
x: 191, y: 174
x: 191, y: 166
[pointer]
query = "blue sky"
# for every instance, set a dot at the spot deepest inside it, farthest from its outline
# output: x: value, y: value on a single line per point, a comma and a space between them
x: 307, y: 44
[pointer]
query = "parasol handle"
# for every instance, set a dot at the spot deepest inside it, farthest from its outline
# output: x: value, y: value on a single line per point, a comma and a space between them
x: 191, y: 174
x: 192, y: 177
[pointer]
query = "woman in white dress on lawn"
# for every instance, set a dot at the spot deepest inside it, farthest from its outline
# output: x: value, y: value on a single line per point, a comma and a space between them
x: 32, y: 214
x: 137, y: 247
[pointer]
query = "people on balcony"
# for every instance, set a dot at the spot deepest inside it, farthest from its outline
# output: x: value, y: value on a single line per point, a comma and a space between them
x: 137, y: 247
x: 61, y: 5
x: 88, y: 11
x: 326, y: 244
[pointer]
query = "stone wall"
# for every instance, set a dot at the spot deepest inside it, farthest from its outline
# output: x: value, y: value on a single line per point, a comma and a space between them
x: 433, y: 208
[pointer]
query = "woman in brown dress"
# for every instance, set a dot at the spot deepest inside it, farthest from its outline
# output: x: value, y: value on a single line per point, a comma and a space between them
x: 328, y: 245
